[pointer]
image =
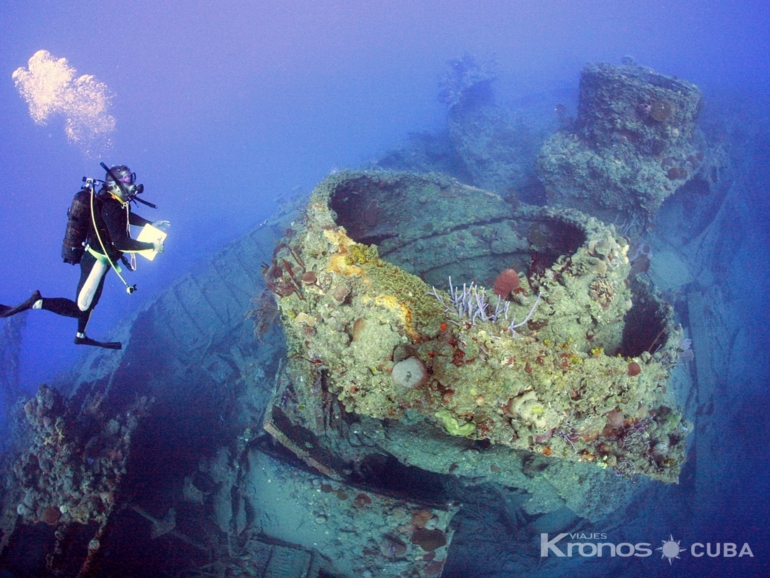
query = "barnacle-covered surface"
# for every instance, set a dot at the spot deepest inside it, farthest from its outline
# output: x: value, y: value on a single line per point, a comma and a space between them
x: 566, y: 384
x: 632, y: 145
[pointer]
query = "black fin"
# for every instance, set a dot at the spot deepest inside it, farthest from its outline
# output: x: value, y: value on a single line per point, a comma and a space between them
x: 22, y: 306
x: 104, y: 344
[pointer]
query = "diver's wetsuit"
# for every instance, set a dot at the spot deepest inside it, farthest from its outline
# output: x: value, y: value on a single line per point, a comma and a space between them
x: 112, y: 218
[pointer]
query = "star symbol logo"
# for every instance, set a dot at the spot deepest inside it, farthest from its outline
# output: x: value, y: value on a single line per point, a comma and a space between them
x: 670, y: 549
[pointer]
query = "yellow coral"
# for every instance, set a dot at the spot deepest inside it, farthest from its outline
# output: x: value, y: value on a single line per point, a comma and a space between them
x: 338, y: 237
x: 342, y: 262
x: 306, y: 319
x: 359, y: 253
x: 405, y: 313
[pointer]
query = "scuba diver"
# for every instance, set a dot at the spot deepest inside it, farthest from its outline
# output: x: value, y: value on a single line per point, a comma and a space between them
x: 98, y: 235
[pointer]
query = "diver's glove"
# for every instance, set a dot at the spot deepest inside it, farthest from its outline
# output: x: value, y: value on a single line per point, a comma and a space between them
x: 157, y: 246
x: 162, y: 225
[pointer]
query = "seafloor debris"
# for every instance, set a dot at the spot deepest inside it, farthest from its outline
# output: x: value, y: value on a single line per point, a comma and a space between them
x: 364, y: 532
x: 557, y: 385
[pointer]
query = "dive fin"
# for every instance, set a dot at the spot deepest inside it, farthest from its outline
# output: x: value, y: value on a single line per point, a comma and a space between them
x: 104, y: 344
x: 9, y: 312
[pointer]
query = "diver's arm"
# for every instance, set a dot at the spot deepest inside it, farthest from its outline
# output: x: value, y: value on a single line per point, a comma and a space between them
x: 114, y: 217
x: 137, y: 220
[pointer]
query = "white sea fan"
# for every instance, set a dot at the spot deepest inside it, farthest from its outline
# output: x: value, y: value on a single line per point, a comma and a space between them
x: 51, y: 86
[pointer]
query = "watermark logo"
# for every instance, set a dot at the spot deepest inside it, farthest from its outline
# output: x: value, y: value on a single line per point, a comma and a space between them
x: 671, y: 549
x: 587, y: 548
x: 596, y: 545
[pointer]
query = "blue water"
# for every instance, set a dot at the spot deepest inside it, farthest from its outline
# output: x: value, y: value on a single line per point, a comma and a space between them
x: 224, y: 107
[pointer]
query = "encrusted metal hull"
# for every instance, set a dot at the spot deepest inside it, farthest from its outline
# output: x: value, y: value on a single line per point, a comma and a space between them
x: 571, y: 364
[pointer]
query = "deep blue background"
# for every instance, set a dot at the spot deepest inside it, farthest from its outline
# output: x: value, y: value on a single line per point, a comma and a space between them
x: 223, y: 106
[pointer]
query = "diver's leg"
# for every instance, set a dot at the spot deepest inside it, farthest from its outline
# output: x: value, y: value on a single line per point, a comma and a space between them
x: 92, y: 275
x: 85, y: 340
x: 28, y: 304
x: 83, y: 319
x: 60, y: 306
x: 82, y: 339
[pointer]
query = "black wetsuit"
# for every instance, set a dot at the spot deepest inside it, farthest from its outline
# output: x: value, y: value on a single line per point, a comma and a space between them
x: 111, y: 219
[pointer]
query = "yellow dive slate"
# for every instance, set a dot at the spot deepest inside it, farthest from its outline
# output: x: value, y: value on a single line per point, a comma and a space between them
x: 150, y: 234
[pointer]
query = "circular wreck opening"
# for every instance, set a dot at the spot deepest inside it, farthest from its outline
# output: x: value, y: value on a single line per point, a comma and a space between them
x: 435, y: 227
x: 647, y: 323
x: 365, y: 205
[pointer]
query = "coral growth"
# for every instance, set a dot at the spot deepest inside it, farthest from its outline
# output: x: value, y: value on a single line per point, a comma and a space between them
x: 506, y: 283
x: 609, y: 162
x: 72, y: 468
x: 471, y: 303
x: 661, y: 110
x: 265, y: 313
x: 517, y: 371
x: 409, y: 373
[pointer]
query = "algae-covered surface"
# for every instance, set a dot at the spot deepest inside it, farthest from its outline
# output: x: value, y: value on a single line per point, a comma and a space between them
x: 544, y: 368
